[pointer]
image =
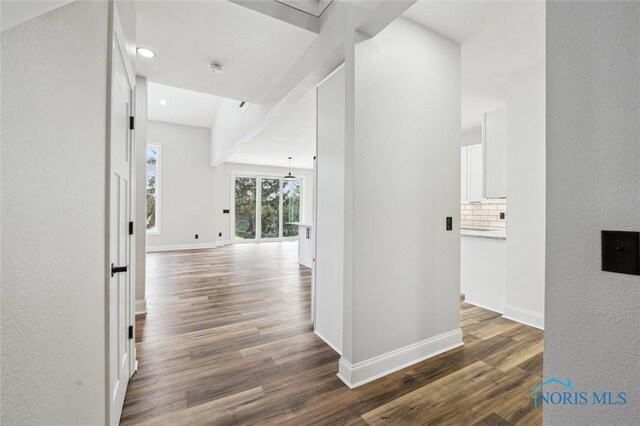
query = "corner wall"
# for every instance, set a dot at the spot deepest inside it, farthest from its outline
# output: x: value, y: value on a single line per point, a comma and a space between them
x: 187, y: 204
x: 525, y: 253
x: 54, y: 146
x: 401, y: 298
x: 592, y: 318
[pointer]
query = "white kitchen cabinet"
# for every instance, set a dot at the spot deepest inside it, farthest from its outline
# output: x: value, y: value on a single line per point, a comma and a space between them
x: 471, y: 178
x: 483, y: 271
x: 495, y: 153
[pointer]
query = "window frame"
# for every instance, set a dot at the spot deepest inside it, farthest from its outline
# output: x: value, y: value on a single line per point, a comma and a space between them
x: 158, y: 227
x: 259, y: 176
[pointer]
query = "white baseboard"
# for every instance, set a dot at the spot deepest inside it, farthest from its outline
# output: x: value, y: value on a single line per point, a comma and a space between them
x: 305, y: 262
x: 331, y: 345
x: 524, y: 316
x: 153, y: 249
x: 358, y: 374
x: 141, y: 306
x: 480, y: 305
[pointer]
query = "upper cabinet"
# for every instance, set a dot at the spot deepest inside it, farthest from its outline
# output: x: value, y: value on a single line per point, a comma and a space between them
x: 471, y: 173
x: 495, y: 153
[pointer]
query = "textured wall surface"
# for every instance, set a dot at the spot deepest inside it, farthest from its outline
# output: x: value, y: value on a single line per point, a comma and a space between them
x: 592, y: 318
x: 54, y: 87
x: 406, y: 181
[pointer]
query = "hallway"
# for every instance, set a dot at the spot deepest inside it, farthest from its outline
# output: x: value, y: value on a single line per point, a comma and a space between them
x: 228, y: 340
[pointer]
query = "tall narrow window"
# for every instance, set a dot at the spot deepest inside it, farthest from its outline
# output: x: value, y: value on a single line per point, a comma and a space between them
x: 153, y: 189
x: 290, y: 207
x: 245, y: 203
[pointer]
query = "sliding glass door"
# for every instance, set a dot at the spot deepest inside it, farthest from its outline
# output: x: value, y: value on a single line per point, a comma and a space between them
x: 266, y: 208
x: 269, y: 208
x: 290, y: 208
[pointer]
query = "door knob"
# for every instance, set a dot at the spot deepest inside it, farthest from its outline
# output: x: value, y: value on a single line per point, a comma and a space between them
x: 117, y: 269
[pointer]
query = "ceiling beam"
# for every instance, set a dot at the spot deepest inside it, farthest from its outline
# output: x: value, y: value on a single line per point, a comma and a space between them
x: 337, y: 26
x: 283, y: 13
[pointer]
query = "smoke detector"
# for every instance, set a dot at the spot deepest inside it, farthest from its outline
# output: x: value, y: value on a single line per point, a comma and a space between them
x: 215, y: 68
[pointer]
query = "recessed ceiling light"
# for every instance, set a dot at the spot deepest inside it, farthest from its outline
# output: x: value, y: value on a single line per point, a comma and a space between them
x: 146, y: 53
x: 215, y: 68
x: 163, y: 102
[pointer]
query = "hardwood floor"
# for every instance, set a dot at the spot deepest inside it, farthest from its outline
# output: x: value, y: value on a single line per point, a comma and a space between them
x: 228, y: 340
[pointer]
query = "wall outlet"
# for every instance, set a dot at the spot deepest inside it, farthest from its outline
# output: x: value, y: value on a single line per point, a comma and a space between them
x: 196, y: 236
x: 219, y: 234
x: 502, y: 215
x: 449, y: 225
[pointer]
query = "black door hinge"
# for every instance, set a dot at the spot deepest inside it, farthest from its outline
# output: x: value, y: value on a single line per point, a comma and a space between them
x: 131, y: 123
x: 130, y: 228
x: 130, y: 332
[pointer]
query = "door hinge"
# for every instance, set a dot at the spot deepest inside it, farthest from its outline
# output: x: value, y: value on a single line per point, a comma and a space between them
x: 131, y: 123
x: 130, y: 332
x: 130, y: 228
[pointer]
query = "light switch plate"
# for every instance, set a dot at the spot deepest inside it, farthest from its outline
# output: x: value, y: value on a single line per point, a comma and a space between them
x: 621, y: 252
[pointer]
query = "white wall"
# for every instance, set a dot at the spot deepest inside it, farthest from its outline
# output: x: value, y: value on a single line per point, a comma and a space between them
x: 187, y: 205
x: 526, y: 194
x: 54, y: 126
x: 140, y: 220
x: 401, y: 293
x: 329, y: 221
x: 592, y: 318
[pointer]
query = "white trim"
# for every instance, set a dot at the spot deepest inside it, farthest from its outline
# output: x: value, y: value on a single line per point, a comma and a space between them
x: 141, y: 306
x: 358, y: 374
x: 479, y: 305
x: 305, y: 262
x: 264, y: 240
x: 524, y: 316
x: 158, y: 147
x: 331, y: 345
x: 153, y: 249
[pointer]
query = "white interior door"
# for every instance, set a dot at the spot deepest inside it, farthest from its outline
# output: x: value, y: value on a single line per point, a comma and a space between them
x: 120, y: 283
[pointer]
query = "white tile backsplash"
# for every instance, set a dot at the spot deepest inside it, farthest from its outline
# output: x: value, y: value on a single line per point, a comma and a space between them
x: 484, y: 215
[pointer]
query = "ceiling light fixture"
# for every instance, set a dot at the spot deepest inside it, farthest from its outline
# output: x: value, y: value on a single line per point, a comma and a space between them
x: 289, y: 176
x: 215, y: 68
x: 145, y: 53
x: 163, y: 102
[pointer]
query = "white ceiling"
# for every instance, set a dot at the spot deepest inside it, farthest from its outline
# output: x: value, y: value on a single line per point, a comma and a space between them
x: 312, y: 7
x: 292, y: 134
x: 181, y: 106
x: 498, y: 38
x: 255, y: 50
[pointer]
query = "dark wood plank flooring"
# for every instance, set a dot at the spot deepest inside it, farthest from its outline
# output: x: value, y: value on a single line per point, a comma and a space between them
x: 228, y: 340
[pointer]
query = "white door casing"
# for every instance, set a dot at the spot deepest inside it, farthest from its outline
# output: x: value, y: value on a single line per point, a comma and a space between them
x: 121, y: 298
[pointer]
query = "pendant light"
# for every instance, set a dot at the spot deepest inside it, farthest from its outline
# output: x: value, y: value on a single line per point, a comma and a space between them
x: 289, y: 176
